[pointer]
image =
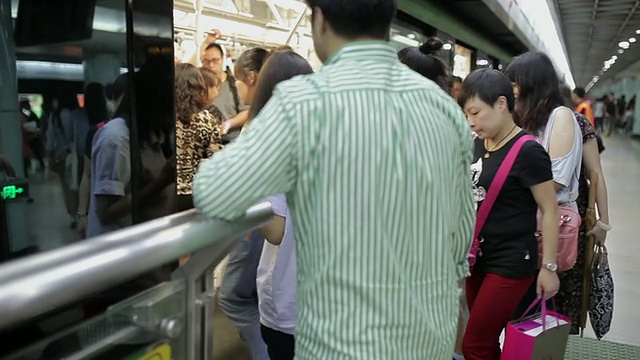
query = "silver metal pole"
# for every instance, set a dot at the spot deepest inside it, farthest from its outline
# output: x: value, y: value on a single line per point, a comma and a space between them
x: 301, y: 16
x: 38, y: 290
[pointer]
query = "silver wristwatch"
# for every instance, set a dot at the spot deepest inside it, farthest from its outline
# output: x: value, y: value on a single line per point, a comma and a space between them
x: 553, y: 267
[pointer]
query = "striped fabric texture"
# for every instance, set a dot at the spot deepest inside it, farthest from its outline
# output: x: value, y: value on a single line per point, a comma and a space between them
x: 374, y: 160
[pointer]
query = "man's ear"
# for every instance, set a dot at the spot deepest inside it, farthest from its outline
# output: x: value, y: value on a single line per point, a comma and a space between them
x: 318, y: 21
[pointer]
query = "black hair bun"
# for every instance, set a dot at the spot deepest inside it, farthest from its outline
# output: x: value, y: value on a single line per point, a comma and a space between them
x: 430, y: 46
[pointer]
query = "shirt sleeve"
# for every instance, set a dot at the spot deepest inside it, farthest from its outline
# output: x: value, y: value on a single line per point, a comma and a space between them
x: 259, y: 163
x: 466, y: 219
x: 535, y: 165
x: 111, y: 163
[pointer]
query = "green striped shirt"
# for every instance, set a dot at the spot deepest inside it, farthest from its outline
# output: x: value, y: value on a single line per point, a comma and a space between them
x: 374, y: 160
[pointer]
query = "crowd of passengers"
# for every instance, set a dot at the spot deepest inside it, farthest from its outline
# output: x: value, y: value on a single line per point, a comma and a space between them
x: 375, y: 167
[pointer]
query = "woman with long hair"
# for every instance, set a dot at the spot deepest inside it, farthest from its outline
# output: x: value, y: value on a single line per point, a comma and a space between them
x: 540, y: 110
x: 276, y: 276
x: 238, y: 294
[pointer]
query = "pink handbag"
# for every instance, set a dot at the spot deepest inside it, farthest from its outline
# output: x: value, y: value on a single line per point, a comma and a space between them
x: 540, y: 336
x: 492, y: 195
x: 569, y: 230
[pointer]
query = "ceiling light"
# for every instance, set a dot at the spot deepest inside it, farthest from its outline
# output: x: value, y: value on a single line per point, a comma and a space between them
x: 638, y: 31
x: 620, y: 51
x: 447, y: 46
x: 623, y: 44
x: 632, y: 40
x: 413, y: 36
x: 614, y: 57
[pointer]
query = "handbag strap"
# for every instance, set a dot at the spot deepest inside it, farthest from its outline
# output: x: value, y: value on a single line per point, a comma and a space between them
x: 543, y: 311
x: 498, y: 182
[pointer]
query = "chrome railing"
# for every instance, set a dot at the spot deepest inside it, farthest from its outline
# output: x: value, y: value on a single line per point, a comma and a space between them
x: 45, y: 282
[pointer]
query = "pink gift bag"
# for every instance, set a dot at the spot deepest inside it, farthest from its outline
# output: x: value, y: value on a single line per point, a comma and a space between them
x: 542, y: 336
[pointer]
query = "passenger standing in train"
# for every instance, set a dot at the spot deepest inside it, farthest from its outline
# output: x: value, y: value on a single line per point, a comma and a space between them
x: 540, y: 111
x: 238, y: 294
x: 110, y: 204
x: 197, y: 130
x: 213, y: 56
x: 374, y: 161
x: 506, y: 265
x: 116, y: 93
x: 276, y: 276
x: 426, y: 64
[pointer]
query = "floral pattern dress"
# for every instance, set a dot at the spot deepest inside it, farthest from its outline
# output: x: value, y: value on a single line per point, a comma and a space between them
x: 569, y: 296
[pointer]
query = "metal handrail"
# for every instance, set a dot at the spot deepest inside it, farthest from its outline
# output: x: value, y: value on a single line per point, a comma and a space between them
x: 41, y: 283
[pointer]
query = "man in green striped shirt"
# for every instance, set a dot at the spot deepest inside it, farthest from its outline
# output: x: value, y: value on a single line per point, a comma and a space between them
x: 374, y: 160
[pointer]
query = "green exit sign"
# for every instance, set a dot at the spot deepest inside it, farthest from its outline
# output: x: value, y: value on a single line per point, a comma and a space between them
x: 15, y: 189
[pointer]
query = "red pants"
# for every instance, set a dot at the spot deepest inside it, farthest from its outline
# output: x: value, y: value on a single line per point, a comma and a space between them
x: 492, y: 300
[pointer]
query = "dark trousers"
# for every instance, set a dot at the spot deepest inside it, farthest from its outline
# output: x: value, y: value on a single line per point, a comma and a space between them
x: 280, y: 346
x: 492, y: 300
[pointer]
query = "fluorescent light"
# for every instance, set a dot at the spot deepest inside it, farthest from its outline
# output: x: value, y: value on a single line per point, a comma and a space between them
x: 614, y: 57
x: 632, y: 40
x: 405, y: 40
x: 27, y: 69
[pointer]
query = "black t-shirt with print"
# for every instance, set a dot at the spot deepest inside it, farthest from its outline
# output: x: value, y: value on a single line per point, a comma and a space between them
x: 509, y: 246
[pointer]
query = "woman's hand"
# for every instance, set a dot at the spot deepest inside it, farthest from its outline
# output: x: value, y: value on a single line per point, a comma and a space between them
x: 599, y: 235
x: 548, y: 284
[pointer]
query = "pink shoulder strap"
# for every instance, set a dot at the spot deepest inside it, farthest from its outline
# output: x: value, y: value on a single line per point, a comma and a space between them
x: 498, y: 182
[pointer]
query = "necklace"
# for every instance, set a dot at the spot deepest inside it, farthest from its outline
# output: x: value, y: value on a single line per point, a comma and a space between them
x: 488, y: 153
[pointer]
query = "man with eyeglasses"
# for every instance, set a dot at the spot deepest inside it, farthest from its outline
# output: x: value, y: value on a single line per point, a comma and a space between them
x: 212, y: 57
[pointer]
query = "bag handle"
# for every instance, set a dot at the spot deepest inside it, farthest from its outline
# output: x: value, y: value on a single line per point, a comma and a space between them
x: 543, y: 311
x: 498, y: 182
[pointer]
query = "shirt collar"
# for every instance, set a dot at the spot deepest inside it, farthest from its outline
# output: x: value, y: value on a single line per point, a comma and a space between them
x: 359, y: 50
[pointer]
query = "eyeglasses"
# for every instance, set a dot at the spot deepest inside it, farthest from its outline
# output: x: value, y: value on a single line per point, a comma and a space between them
x: 207, y: 62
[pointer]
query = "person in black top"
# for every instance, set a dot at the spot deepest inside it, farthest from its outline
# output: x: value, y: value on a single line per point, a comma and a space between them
x: 507, y: 266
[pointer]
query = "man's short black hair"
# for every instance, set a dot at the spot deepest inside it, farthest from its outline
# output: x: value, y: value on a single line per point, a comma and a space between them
x: 487, y: 85
x: 357, y: 18
x: 217, y: 46
x: 579, y: 92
